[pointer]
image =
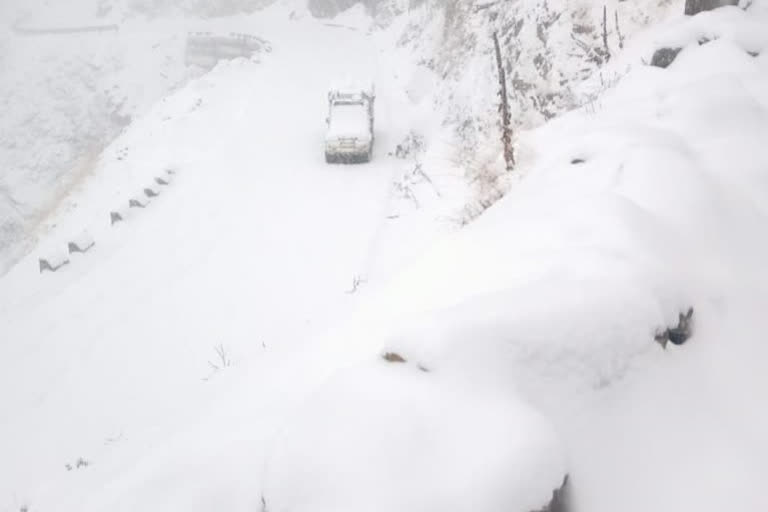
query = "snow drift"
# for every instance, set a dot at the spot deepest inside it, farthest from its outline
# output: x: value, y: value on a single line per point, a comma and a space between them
x: 630, y: 213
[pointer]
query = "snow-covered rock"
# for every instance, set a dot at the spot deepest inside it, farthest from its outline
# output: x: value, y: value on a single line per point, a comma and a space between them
x: 81, y: 243
x: 53, y: 261
x: 152, y: 190
x: 393, y: 437
x: 140, y: 199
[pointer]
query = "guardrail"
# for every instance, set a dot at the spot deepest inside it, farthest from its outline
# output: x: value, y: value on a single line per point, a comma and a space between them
x: 39, y: 31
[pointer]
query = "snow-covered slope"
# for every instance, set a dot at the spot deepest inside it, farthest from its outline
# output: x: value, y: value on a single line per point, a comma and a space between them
x: 255, y: 247
x: 553, y: 52
x: 65, y: 96
x: 630, y: 213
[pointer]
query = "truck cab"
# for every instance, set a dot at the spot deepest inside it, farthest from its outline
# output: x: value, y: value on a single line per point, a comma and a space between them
x: 349, y: 138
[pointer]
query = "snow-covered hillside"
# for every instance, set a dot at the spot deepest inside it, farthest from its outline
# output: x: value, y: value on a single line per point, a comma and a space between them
x: 254, y: 249
x: 273, y: 333
x: 65, y: 97
x: 632, y: 211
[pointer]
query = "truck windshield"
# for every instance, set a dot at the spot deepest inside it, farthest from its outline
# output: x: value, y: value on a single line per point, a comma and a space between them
x: 349, y: 120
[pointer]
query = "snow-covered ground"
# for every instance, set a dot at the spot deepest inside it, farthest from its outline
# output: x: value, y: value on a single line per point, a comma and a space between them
x: 222, y: 347
x: 65, y: 96
x: 630, y: 212
x: 256, y: 247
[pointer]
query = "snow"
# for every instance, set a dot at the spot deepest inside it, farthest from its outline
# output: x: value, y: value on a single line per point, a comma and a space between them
x: 65, y: 97
x: 348, y: 121
x: 400, y: 438
x: 555, y: 292
x: 225, y: 344
x: 53, y: 260
x: 253, y: 247
x: 81, y: 243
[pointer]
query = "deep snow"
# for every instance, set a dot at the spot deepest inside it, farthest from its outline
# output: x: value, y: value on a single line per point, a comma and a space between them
x: 255, y: 246
x: 535, y: 323
x: 630, y: 211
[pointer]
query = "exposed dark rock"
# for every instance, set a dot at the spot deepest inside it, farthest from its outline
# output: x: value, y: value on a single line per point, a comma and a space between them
x: 663, y: 57
x: 577, y: 161
x: 80, y: 246
x: 583, y: 29
x: 559, y: 501
x: 696, y: 6
x: 393, y: 357
x: 678, y: 334
x: 138, y: 202
x: 51, y: 264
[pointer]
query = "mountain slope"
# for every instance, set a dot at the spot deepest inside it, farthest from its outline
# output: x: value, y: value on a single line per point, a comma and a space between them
x: 630, y: 213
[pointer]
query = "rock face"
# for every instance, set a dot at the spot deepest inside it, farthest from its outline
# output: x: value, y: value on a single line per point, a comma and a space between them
x: 679, y: 334
x: 696, y: 6
x: 559, y: 502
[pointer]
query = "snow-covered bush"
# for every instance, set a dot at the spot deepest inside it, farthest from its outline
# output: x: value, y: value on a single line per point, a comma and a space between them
x: 551, y: 50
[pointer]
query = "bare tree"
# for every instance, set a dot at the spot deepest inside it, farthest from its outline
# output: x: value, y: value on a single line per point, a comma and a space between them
x: 506, y: 117
x: 222, y: 361
x: 618, y: 31
x: 605, y: 34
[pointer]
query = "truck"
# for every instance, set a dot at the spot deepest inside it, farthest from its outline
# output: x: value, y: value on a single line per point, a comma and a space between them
x: 350, y: 134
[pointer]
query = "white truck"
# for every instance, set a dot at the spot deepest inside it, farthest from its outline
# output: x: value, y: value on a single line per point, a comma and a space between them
x: 350, y: 124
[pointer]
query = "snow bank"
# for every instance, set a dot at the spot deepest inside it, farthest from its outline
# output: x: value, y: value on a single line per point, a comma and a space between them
x: 400, y: 438
x: 527, y: 338
x: 629, y: 213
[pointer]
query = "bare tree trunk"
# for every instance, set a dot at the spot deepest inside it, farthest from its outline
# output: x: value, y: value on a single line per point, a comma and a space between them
x: 618, y: 31
x: 506, y: 117
x: 605, y: 34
